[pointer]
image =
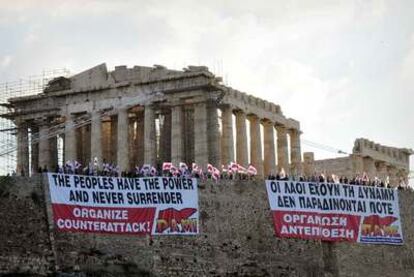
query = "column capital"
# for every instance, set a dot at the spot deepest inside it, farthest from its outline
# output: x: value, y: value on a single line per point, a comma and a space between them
x: 252, y: 116
x: 225, y: 106
x: 281, y: 128
x: 294, y: 131
x: 267, y: 122
x: 239, y: 112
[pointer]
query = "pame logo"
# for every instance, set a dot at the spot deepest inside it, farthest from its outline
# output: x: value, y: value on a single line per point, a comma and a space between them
x: 376, y: 226
x: 176, y: 221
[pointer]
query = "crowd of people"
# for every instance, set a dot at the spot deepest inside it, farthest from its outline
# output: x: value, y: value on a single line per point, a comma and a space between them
x: 229, y: 172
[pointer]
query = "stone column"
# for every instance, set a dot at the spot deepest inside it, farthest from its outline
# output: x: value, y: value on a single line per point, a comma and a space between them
x: 382, y: 171
x: 177, y: 131
x: 308, y: 164
x: 241, y: 138
x: 392, y: 173
x: 114, y: 139
x: 150, y: 144
x: 22, y: 168
x: 96, y: 137
x: 35, y: 148
x: 256, y: 144
x: 122, y: 139
x: 53, y: 153
x: 213, y: 135
x: 44, y: 146
x: 200, y: 135
x: 70, y: 139
x: 295, y: 152
x: 106, y: 139
x: 227, y: 143
x: 165, y: 137
x: 140, y: 139
x: 282, y: 149
x: 269, y: 148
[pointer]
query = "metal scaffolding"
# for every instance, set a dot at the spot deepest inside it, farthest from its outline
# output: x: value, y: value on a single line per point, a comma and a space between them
x: 26, y: 86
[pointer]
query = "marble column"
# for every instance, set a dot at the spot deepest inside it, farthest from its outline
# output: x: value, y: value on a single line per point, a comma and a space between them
x: 227, y: 143
x: 96, y: 137
x: 35, y: 149
x: 106, y: 139
x: 213, y: 135
x: 140, y: 138
x: 200, y: 135
x: 256, y: 144
x: 269, y: 148
x: 22, y: 167
x: 122, y: 140
x: 150, y: 143
x: 392, y: 173
x: 308, y: 164
x: 53, y: 153
x: 165, y: 137
x: 114, y: 139
x: 295, y: 152
x: 44, y: 146
x: 177, y: 131
x: 282, y: 149
x: 241, y: 138
x: 70, y: 139
x: 382, y: 170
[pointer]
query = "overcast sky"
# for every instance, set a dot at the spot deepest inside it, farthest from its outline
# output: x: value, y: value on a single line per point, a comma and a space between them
x: 344, y: 69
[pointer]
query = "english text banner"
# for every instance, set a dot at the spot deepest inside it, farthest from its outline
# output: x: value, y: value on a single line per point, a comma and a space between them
x: 137, y: 206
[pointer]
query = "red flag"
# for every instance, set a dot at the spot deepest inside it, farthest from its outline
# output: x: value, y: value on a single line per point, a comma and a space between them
x: 251, y: 170
x: 166, y: 166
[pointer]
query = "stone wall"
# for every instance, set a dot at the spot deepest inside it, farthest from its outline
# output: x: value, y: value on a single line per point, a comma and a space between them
x: 338, y: 166
x: 236, y: 239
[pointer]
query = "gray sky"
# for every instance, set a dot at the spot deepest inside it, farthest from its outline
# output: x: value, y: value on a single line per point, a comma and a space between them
x: 344, y: 69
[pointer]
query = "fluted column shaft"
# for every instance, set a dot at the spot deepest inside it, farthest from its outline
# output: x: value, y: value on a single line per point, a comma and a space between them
x: 122, y: 140
x: 282, y: 149
x: 382, y: 170
x: 241, y: 138
x: 96, y: 137
x: 177, y: 132
x: 35, y: 148
x: 150, y: 142
x: 295, y: 153
x: 213, y: 136
x: 269, y: 148
x: 200, y: 135
x: 256, y: 158
x: 22, y: 167
x: 227, y: 143
x: 70, y: 139
x: 44, y: 146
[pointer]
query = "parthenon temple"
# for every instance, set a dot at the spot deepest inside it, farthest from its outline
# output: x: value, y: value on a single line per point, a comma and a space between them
x: 148, y: 115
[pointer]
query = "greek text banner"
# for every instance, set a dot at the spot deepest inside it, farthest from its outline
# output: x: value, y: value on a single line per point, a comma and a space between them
x: 335, y: 212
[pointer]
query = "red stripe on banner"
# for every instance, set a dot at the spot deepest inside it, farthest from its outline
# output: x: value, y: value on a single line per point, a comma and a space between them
x: 320, y: 226
x: 74, y: 218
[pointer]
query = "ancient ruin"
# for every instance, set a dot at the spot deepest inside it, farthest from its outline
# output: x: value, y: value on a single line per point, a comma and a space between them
x: 367, y: 156
x: 148, y: 115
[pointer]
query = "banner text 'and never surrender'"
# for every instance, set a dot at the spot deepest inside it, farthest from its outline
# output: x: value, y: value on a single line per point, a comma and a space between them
x: 121, y: 191
x: 101, y: 204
